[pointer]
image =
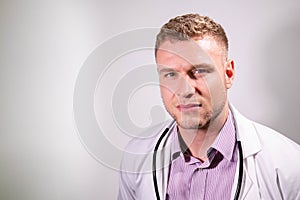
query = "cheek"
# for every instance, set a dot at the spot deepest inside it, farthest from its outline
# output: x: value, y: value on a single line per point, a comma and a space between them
x: 214, y: 88
x: 218, y: 93
x: 206, y: 86
x: 166, y: 94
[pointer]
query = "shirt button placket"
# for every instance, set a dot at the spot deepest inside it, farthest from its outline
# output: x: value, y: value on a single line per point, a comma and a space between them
x: 198, y: 184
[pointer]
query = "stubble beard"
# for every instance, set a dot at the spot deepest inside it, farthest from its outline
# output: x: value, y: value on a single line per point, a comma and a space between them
x: 196, y: 120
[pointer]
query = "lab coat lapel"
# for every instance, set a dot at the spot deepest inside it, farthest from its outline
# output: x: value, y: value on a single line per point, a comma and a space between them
x: 247, y: 134
x: 247, y: 184
x: 249, y: 190
x: 251, y: 145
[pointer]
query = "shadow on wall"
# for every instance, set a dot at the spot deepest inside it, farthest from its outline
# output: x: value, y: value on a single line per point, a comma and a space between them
x: 282, y: 58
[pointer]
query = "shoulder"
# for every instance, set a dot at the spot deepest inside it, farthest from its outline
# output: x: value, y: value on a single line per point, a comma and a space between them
x: 279, y: 146
x: 278, y: 149
x: 280, y: 158
x: 273, y: 139
x: 272, y: 150
x: 276, y: 158
x: 147, y: 139
x: 266, y: 144
x: 282, y: 152
x: 256, y: 136
x: 137, y: 156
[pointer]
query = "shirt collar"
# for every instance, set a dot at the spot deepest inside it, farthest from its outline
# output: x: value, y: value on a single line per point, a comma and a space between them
x: 226, y: 139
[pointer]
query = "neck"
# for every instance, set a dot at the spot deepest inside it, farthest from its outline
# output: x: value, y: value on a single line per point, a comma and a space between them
x: 199, y: 140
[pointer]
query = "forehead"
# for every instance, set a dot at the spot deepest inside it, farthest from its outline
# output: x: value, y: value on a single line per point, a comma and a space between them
x: 193, y: 51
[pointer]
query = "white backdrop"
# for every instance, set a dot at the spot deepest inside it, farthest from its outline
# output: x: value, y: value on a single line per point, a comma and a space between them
x: 45, y: 46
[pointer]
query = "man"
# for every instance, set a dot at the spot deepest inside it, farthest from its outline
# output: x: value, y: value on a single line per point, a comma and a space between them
x: 211, y: 151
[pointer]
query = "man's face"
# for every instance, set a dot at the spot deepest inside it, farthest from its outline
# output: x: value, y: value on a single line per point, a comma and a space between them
x: 194, y: 78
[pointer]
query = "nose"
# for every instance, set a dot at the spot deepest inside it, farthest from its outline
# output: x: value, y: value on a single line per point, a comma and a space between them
x: 185, y: 87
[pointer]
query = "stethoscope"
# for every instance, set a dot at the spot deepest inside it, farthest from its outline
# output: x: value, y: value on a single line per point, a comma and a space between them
x: 240, y: 178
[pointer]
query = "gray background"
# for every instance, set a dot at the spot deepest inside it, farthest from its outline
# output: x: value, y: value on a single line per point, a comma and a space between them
x: 44, y: 44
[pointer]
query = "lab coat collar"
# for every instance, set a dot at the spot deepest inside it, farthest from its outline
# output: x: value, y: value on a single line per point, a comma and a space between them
x: 246, y: 133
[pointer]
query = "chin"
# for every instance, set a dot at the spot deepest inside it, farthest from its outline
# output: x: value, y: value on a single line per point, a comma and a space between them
x: 192, y: 123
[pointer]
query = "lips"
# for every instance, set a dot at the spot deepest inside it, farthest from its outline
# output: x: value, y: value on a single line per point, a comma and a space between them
x: 188, y: 107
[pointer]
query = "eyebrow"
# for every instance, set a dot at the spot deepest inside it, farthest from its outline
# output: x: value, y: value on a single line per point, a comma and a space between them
x: 203, y: 65
x: 196, y: 66
x: 166, y: 69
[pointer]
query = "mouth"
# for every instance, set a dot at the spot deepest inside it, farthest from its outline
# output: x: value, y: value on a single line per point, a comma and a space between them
x: 189, y: 107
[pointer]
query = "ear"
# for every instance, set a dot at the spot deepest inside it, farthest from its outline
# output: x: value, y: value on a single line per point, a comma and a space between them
x: 229, y: 73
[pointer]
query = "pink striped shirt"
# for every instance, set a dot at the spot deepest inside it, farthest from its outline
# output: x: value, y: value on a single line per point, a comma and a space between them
x: 213, y: 179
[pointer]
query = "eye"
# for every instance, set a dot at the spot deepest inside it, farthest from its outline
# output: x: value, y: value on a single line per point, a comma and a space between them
x: 170, y: 75
x: 199, y: 71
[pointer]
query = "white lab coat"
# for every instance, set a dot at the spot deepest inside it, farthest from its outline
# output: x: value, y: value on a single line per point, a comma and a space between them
x: 271, y: 164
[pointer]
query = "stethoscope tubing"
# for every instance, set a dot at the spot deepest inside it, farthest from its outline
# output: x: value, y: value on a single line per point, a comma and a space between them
x: 154, y: 162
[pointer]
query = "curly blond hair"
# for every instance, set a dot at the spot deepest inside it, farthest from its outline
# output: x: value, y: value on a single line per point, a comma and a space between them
x: 190, y: 26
